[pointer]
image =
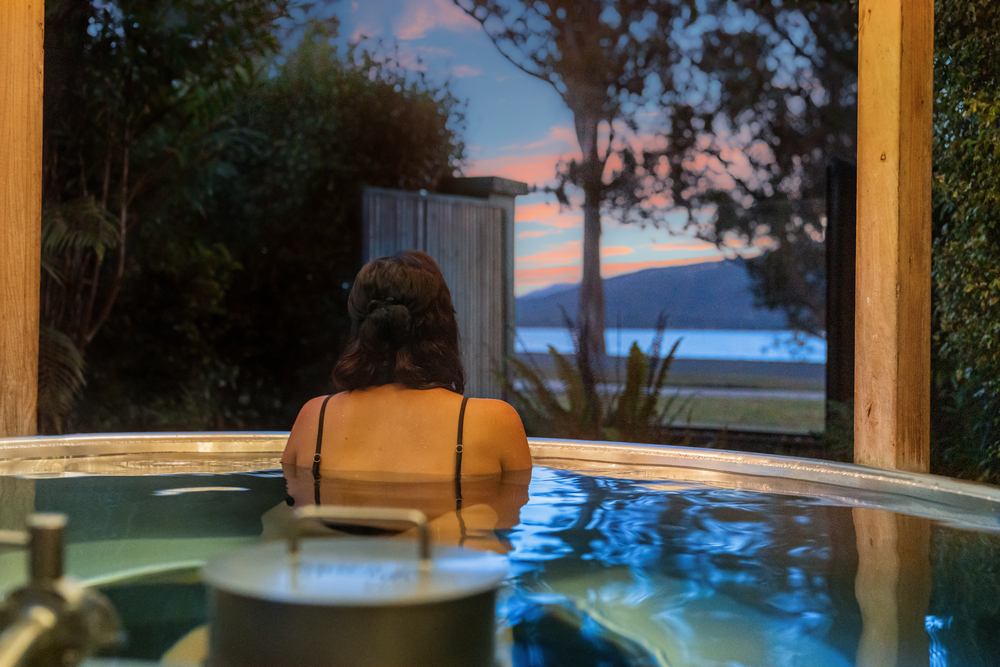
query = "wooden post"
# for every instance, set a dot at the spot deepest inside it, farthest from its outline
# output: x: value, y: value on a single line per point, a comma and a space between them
x: 892, y: 335
x: 22, y: 24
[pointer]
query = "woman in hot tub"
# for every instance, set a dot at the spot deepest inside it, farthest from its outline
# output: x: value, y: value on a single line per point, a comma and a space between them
x: 400, y: 414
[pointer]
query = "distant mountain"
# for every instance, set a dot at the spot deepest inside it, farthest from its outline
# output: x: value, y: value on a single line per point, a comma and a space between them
x: 713, y: 295
x: 546, y: 291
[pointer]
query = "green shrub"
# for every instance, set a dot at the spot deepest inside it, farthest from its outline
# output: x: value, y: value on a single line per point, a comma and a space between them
x: 966, y: 257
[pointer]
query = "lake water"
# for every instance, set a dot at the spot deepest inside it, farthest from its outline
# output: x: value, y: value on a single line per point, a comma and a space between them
x: 725, y: 345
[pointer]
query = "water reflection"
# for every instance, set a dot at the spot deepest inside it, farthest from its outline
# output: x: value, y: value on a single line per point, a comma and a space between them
x: 674, y: 574
x: 479, y: 513
x: 893, y: 588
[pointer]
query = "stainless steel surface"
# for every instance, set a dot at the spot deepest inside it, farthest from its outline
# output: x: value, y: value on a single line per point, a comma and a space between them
x: 355, y: 572
x: 259, y: 633
x: 163, y: 453
x: 141, y: 453
x: 52, y: 620
x: 24, y: 634
x: 46, y: 546
x: 364, y: 516
x: 276, y: 605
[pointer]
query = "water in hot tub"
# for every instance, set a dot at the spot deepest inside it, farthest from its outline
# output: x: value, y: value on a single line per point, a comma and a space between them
x: 604, y: 571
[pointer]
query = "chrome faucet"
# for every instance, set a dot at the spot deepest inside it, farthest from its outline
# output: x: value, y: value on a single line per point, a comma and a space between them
x: 53, y: 620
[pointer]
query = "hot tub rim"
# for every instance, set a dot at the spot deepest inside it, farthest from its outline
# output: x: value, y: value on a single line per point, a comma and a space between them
x: 926, y: 487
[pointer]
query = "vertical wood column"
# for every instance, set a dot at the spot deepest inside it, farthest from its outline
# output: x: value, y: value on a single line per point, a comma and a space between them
x: 892, y: 325
x: 22, y: 25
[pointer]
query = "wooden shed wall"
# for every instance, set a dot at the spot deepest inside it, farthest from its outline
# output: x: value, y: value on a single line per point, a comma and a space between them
x: 465, y: 236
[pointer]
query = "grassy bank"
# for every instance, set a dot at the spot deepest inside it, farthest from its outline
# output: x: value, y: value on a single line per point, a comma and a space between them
x: 800, y: 415
x: 780, y: 414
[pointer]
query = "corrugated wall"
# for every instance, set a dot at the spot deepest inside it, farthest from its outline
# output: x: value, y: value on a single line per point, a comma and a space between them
x: 465, y: 236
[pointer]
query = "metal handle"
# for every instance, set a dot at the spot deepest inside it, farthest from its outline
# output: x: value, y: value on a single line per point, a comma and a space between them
x: 363, y: 515
x: 44, y: 540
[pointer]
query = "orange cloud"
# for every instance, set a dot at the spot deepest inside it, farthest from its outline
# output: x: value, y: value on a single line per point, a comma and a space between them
x: 547, y: 214
x: 547, y: 275
x: 531, y: 169
x: 615, y: 250
x: 571, y: 251
x: 613, y: 269
x: 536, y: 233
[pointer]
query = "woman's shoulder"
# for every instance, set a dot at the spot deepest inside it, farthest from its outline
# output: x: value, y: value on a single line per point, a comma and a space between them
x: 494, y: 410
x: 306, y: 426
x: 496, y: 426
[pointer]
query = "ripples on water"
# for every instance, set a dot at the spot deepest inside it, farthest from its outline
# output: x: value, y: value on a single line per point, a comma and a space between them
x: 673, y: 574
x: 605, y: 572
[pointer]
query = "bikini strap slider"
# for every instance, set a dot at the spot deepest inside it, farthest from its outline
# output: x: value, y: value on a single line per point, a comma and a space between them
x: 459, y: 449
x: 317, y: 458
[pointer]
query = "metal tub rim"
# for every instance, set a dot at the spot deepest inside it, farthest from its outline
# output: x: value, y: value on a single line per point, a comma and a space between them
x: 846, y: 482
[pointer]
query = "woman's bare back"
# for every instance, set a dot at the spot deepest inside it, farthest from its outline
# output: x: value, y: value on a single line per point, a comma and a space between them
x: 393, y: 429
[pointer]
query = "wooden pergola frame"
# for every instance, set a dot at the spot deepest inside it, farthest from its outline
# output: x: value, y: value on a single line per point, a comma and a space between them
x: 892, y: 331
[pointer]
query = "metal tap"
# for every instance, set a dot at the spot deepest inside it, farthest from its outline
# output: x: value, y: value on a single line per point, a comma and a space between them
x: 53, y: 620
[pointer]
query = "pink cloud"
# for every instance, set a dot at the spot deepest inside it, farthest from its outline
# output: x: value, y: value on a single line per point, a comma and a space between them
x: 534, y: 234
x: 547, y: 276
x: 609, y: 270
x: 535, y: 278
x: 532, y: 212
x: 464, y: 71
x: 616, y: 250
x: 533, y: 169
x: 547, y: 214
x: 419, y: 17
x: 561, y: 254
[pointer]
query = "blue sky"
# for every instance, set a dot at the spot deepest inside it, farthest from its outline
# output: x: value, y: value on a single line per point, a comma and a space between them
x: 518, y: 128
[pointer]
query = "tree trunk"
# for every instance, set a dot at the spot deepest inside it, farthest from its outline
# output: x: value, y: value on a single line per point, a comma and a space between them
x: 590, y: 315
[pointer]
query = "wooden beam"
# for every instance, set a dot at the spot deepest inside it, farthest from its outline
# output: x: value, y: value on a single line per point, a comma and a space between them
x: 22, y: 24
x: 892, y: 335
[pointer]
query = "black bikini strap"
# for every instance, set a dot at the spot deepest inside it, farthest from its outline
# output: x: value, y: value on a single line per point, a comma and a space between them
x: 319, y: 439
x: 458, y: 455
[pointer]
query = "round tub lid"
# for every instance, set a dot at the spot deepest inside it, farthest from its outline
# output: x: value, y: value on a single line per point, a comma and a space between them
x: 356, y: 571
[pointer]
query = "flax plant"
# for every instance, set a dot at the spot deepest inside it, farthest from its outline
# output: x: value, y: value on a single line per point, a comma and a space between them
x: 633, y: 411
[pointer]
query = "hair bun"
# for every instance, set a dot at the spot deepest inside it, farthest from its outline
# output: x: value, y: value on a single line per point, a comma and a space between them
x: 389, y: 320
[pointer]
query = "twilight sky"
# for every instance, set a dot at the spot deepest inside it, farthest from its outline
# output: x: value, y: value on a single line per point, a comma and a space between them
x: 518, y: 128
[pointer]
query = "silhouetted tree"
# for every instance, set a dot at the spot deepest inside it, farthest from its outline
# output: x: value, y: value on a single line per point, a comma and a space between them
x: 709, y: 106
x: 610, y: 61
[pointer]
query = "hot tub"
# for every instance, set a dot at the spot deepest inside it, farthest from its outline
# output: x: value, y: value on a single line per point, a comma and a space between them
x: 623, y: 554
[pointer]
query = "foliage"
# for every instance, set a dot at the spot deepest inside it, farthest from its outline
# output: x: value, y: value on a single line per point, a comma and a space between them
x: 788, y: 101
x: 635, y: 412
x: 966, y: 219
x: 60, y: 377
x: 749, y: 100
x: 608, y: 61
x: 135, y: 89
x: 234, y: 307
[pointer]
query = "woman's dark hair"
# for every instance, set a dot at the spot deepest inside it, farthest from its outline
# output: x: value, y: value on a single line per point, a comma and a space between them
x: 403, y: 327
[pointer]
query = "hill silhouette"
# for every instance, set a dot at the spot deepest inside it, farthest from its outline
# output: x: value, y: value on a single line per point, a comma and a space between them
x: 713, y: 295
